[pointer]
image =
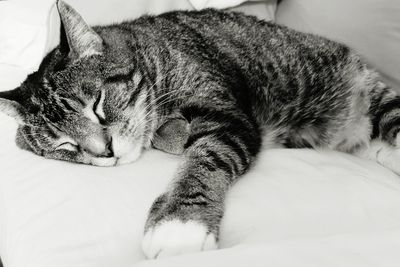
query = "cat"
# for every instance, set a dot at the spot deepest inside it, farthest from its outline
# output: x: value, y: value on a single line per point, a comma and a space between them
x: 227, y: 82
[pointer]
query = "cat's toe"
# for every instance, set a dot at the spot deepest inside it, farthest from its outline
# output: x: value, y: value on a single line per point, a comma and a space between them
x: 175, y: 237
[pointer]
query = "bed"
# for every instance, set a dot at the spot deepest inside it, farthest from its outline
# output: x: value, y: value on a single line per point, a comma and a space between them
x: 294, y: 208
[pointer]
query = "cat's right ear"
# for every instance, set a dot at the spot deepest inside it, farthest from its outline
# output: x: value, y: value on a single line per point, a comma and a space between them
x: 77, y: 38
x: 11, y: 106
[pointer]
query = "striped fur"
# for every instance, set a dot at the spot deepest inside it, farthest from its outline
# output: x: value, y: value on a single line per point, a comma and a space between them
x: 236, y: 83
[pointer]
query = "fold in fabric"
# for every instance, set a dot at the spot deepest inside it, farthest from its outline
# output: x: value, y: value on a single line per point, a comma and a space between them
x: 200, y: 4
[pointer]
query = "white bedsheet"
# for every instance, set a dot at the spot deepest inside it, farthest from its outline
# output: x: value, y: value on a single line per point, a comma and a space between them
x: 295, y: 208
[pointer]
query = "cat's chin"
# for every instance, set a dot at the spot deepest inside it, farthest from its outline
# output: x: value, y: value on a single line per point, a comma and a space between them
x: 130, y: 157
x: 127, y: 150
x: 103, y: 162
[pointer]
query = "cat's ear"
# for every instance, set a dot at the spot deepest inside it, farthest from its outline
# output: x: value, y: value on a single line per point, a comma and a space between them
x: 79, y: 39
x: 10, y: 105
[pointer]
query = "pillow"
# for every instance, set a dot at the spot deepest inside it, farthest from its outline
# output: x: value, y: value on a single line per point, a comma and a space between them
x: 371, y: 27
x: 262, y: 9
x: 23, y: 33
x: 30, y: 29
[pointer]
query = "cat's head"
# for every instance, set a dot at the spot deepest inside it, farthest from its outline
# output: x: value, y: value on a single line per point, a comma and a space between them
x: 83, y: 104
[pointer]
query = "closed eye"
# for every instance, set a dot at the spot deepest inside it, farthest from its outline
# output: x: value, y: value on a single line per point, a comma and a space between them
x: 98, y: 108
x: 67, y: 146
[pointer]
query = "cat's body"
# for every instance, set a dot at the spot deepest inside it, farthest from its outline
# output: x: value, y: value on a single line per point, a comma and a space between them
x: 236, y: 82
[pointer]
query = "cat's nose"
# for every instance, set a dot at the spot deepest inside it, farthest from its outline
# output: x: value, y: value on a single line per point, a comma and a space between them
x: 109, y: 152
x: 100, y: 147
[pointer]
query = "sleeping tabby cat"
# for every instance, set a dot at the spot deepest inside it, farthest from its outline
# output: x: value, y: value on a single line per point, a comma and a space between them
x: 227, y: 82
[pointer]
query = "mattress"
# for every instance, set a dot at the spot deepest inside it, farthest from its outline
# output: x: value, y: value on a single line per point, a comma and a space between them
x: 294, y: 208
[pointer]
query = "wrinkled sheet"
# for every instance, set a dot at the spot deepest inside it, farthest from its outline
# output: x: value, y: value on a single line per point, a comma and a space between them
x: 294, y: 208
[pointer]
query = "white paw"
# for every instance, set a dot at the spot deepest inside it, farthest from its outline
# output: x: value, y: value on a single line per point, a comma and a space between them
x: 175, y: 237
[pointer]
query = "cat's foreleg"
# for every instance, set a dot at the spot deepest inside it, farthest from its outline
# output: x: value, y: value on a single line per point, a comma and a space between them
x: 187, y: 216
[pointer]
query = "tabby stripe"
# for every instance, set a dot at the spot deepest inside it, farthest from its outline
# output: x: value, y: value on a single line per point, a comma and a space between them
x: 50, y: 132
x: 122, y: 77
x: 195, y: 197
x: 221, y: 136
x: 200, y: 183
x: 148, y: 111
x: 133, y: 97
x: 80, y: 101
x: 67, y: 105
x: 389, y: 125
x: 222, y: 117
x: 376, y: 103
x: 194, y: 137
x: 208, y: 165
x: 33, y: 142
x: 240, y: 127
x: 388, y: 107
x: 384, y: 109
x: 235, y: 147
x: 220, y: 163
x: 395, y: 133
x: 26, y: 135
x: 234, y: 164
x: 193, y: 203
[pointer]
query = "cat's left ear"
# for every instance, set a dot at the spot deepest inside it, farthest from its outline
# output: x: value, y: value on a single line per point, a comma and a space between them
x: 81, y: 39
x: 10, y: 105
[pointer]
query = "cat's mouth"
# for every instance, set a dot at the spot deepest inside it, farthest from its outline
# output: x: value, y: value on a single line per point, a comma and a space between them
x: 109, y: 161
x: 119, y: 151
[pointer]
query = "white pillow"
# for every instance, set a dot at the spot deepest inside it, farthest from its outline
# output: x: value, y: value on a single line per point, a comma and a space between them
x: 23, y: 33
x: 369, y: 26
x: 30, y: 29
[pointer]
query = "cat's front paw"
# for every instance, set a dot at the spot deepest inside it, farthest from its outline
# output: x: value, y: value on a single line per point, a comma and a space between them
x: 174, y: 228
x: 176, y: 237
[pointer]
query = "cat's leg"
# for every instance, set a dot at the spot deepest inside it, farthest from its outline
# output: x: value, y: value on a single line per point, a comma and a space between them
x: 186, y: 218
x: 384, y: 146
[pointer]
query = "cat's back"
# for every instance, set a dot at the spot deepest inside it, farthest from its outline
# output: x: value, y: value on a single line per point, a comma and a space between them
x: 209, y: 32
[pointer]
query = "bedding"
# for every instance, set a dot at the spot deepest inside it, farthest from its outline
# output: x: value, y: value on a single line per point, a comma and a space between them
x: 30, y: 29
x: 370, y: 27
x: 295, y: 208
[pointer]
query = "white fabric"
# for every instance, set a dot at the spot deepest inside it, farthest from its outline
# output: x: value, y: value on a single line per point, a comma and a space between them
x: 29, y: 29
x: 200, y: 4
x: 23, y: 33
x: 319, y: 208
x: 295, y: 208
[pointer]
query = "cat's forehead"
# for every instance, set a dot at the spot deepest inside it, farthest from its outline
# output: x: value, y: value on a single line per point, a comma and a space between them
x: 79, y: 72
x: 72, y: 81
